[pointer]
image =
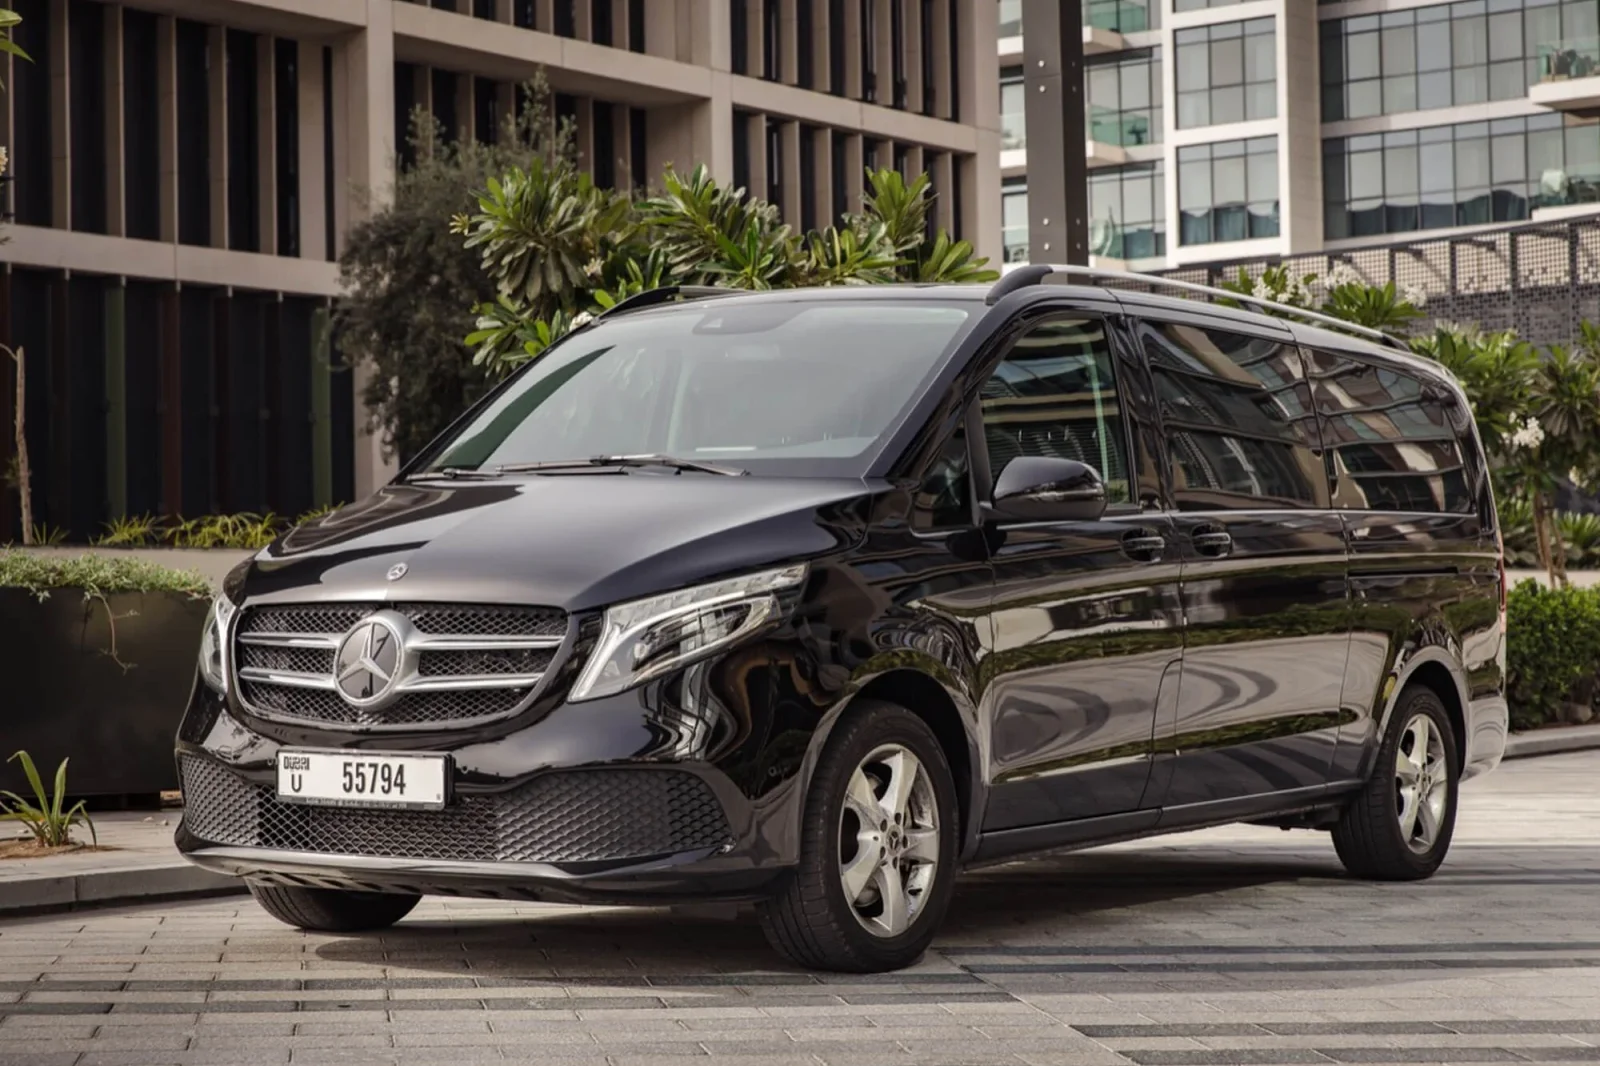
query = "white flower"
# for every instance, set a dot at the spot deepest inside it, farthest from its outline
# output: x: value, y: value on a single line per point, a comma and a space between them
x: 1529, y: 436
x: 1341, y: 274
x: 5, y: 158
x: 1414, y: 295
x: 593, y: 267
x: 582, y: 318
x: 1576, y: 477
x: 1261, y: 291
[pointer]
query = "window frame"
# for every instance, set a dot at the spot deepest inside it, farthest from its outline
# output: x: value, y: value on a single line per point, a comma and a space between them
x: 1267, y: 331
x: 981, y: 475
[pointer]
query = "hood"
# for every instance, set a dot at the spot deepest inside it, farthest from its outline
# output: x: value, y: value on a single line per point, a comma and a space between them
x: 573, y: 541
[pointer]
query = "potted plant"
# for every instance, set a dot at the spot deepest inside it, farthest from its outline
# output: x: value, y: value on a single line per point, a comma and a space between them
x: 99, y: 658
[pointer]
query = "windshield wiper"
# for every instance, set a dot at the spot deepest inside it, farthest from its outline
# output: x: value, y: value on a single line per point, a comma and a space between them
x: 669, y: 461
x: 460, y: 472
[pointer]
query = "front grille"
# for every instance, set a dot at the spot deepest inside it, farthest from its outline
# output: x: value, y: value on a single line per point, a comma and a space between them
x: 564, y: 817
x: 498, y: 655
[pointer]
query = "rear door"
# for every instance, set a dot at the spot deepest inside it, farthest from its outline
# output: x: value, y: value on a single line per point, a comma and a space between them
x: 1264, y: 569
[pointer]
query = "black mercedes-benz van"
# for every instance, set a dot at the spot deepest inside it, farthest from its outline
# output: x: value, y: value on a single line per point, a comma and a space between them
x: 813, y: 598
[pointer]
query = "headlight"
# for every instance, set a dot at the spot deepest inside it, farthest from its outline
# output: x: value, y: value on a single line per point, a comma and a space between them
x: 214, y: 644
x: 647, y: 638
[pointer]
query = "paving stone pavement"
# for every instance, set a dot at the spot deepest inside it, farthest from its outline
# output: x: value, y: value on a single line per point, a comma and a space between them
x: 1229, y: 946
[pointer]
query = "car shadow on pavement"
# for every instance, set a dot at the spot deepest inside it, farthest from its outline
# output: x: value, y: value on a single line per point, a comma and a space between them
x: 547, y: 943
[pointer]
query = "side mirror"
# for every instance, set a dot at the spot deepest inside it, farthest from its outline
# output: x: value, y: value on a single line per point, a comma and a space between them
x: 1035, y: 488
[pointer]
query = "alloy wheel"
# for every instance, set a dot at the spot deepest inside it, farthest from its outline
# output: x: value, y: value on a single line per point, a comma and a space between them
x: 888, y: 840
x: 1422, y: 783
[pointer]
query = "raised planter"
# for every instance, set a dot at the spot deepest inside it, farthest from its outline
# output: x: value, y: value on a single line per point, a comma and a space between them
x: 67, y: 696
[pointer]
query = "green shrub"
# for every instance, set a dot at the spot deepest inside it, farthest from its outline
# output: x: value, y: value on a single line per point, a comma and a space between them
x: 96, y: 575
x: 1552, y: 651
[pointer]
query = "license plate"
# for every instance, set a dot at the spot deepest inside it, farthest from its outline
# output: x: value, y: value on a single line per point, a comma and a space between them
x: 363, y: 779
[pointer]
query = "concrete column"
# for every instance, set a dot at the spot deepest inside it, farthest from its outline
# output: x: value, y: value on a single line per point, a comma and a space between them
x: 60, y: 119
x: 313, y: 164
x: 466, y: 108
x: 217, y: 84
x: 167, y: 123
x: 755, y: 28
x: 661, y: 35
x: 1300, y: 143
x: 942, y: 173
x: 822, y: 151
x: 789, y: 41
x: 855, y: 166
x: 544, y: 15
x: 789, y: 138
x: 852, y: 47
x: 884, y: 51
x: 267, y: 144
x: 584, y: 132
x: 364, y: 165
x: 583, y: 19
x: 913, y: 45
x: 821, y: 52
x: 619, y: 25
x: 939, y: 79
x: 686, y: 135
x: 1058, y: 191
x: 116, y: 182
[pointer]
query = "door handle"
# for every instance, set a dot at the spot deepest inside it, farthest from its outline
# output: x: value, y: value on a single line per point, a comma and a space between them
x: 1209, y: 540
x: 1143, y: 545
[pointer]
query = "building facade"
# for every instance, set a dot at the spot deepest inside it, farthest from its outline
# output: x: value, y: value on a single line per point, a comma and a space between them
x: 182, y: 173
x: 1235, y: 130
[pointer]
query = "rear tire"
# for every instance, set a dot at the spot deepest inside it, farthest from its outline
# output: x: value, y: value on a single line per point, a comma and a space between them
x: 332, y: 910
x: 879, y: 839
x: 1398, y: 827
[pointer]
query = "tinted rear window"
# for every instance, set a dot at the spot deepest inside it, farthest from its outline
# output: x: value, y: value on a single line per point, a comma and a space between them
x: 1390, y: 439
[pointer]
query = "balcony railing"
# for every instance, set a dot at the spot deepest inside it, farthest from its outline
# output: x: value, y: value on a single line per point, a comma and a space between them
x: 1564, y: 60
x: 1126, y: 129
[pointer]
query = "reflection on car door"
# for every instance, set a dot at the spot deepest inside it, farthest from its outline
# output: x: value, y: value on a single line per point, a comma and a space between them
x: 1264, y: 571
x: 1086, y: 633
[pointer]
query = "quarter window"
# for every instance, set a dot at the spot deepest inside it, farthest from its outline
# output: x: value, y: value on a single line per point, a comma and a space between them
x: 1055, y: 395
x: 1391, y: 443
x: 1236, y: 413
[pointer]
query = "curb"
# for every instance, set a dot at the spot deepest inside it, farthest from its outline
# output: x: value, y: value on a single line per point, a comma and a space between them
x: 1553, y: 741
x: 112, y: 888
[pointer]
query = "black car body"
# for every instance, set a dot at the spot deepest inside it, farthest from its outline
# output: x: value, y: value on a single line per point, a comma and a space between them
x: 1138, y: 563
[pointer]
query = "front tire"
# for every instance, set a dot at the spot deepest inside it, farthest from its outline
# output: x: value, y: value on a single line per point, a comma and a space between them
x: 332, y: 910
x: 1398, y: 828
x: 878, y: 848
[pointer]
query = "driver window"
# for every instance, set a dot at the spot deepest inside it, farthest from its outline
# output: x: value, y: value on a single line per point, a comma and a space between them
x: 944, y: 501
x: 1055, y: 395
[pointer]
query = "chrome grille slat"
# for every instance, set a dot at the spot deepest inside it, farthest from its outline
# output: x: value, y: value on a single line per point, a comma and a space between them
x: 473, y: 662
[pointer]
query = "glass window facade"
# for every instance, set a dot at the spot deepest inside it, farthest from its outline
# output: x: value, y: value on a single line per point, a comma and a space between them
x: 1122, y: 16
x: 1460, y: 175
x: 1013, y: 120
x: 1228, y: 191
x: 1200, y: 5
x: 1124, y: 100
x: 1014, y: 219
x: 1128, y: 212
x: 1226, y: 73
x: 1444, y: 55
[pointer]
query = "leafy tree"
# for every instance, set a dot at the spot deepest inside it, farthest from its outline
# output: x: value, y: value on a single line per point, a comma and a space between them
x: 559, y: 251
x: 1341, y: 293
x: 410, y: 283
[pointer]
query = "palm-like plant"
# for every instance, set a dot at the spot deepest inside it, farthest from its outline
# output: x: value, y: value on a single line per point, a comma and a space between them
x: 559, y: 250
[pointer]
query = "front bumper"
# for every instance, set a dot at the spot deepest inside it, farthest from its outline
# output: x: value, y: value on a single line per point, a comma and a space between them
x: 531, y: 818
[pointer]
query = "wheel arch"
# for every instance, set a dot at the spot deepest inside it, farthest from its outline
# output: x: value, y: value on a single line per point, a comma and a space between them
x: 1435, y: 670
x: 946, y: 713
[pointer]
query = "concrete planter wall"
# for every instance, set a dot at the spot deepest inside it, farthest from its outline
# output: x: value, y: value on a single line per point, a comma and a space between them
x: 65, y: 696
x: 211, y: 564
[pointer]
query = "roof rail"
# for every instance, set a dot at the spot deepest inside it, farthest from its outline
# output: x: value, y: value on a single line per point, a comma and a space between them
x: 662, y: 294
x: 1034, y: 273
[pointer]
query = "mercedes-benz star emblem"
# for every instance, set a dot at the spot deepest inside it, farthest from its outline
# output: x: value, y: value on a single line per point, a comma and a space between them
x: 398, y: 571
x: 368, y: 662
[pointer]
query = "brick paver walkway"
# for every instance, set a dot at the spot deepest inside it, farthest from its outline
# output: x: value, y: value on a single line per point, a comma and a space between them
x: 1229, y: 946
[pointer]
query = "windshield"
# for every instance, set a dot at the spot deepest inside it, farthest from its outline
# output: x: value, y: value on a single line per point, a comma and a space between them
x: 795, y: 387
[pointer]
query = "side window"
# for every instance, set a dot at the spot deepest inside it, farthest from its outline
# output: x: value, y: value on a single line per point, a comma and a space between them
x: 1055, y: 394
x: 1392, y: 445
x: 944, y: 500
x: 1236, y: 414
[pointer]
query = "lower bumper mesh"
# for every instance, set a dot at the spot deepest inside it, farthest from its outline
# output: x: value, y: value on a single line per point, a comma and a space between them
x: 574, y: 816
